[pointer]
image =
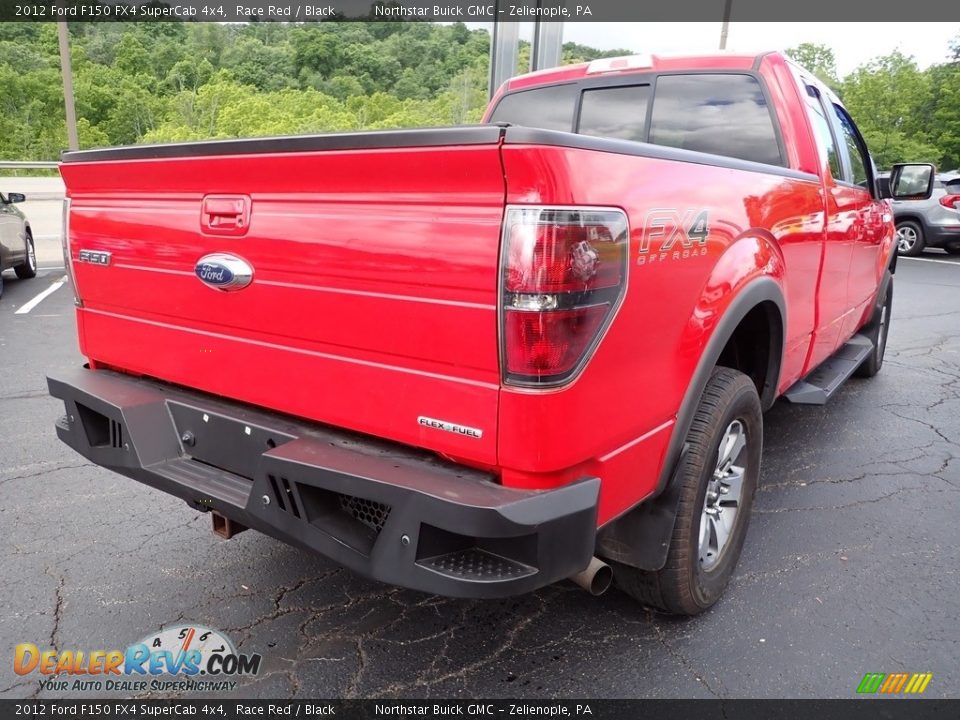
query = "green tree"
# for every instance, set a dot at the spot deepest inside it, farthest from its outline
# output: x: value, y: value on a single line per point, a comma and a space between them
x: 266, y: 67
x: 818, y: 59
x: 945, y: 127
x: 577, y: 53
x: 886, y: 98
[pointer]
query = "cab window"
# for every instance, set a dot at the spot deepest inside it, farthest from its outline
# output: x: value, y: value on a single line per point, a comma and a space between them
x: 718, y: 114
x: 823, y: 135
x: 859, y: 160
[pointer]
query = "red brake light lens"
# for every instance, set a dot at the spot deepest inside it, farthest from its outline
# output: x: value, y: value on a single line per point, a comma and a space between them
x: 549, y: 343
x: 564, y: 274
x: 951, y: 201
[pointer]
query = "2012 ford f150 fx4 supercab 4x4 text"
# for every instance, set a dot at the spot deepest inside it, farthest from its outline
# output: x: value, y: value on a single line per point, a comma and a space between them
x: 477, y: 360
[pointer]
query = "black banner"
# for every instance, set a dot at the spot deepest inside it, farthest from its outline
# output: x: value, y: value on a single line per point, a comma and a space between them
x: 599, y: 709
x: 476, y: 11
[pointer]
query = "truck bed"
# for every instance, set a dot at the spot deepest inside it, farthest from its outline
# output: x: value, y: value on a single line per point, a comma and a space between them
x: 375, y: 262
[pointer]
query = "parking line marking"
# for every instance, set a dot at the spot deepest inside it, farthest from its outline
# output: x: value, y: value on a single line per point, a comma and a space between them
x: 30, y: 305
x: 942, y: 262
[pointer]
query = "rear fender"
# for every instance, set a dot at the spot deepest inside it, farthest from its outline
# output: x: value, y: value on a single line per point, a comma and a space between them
x: 748, y: 274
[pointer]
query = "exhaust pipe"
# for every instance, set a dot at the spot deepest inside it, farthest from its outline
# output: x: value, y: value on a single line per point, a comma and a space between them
x: 596, y: 578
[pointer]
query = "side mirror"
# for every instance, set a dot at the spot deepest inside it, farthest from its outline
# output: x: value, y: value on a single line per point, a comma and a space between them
x: 912, y: 181
x: 16, y: 197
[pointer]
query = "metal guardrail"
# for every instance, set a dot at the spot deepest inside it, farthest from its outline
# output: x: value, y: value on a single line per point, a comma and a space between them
x: 28, y: 165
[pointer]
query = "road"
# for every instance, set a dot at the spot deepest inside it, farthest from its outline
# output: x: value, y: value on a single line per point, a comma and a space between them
x: 850, y: 566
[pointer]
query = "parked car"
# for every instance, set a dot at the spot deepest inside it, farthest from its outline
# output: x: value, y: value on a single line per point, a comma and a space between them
x: 16, y: 239
x: 933, y: 222
x: 477, y: 360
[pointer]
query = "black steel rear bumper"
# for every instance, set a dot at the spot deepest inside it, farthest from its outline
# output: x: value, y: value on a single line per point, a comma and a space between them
x: 387, y: 511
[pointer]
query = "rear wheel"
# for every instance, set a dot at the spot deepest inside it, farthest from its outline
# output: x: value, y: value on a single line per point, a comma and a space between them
x: 909, y: 238
x: 718, y: 480
x: 877, y: 330
x: 29, y: 267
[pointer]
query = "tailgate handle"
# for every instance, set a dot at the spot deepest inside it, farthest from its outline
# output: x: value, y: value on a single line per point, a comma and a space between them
x: 225, y: 214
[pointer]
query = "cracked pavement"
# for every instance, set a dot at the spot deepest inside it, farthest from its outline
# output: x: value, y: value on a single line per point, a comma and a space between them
x: 850, y: 565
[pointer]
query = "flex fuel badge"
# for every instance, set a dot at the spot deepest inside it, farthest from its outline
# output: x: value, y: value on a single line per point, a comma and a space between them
x: 450, y: 427
x: 181, y: 658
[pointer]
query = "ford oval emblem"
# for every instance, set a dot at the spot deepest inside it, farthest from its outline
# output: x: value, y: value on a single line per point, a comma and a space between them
x: 223, y: 271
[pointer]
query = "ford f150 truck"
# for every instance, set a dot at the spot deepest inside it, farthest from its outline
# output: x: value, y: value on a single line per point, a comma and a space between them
x: 477, y: 360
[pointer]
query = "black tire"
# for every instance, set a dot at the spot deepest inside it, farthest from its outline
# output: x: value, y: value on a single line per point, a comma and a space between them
x: 954, y: 250
x: 910, y: 226
x: 1, y: 281
x: 877, y: 330
x: 684, y: 586
x: 29, y: 267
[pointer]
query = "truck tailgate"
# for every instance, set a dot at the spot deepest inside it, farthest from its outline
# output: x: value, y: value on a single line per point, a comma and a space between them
x: 374, y: 255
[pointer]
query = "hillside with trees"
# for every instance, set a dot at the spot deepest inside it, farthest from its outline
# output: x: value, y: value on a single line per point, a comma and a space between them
x: 151, y: 82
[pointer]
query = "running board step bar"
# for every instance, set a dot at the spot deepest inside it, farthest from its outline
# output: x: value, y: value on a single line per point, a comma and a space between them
x: 820, y: 385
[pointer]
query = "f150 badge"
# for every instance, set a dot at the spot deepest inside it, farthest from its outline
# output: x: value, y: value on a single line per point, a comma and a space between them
x: 222, y: 271
x: 96, y: 257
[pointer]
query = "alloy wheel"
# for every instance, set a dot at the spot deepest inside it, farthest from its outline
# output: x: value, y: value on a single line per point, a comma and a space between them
x: 906, y: 238
x: 722, y: 500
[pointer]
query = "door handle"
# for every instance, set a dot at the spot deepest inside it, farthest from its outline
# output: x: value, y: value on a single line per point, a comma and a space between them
x: 225, y: 214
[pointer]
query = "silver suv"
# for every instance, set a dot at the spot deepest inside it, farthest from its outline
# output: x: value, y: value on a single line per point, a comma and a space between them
x: 929, y: 223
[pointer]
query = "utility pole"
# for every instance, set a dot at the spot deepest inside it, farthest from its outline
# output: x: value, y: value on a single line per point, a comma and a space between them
x: 725, y: 27
x: 67, y: 70
x: 547, y: 38
x: 504, y: 47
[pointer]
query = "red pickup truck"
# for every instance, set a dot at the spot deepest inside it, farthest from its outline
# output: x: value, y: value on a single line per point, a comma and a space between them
x: 477, y: 360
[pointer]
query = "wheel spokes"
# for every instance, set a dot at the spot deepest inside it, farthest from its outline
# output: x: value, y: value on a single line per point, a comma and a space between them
x: 705, y: 536
x: 906, y: 238
x: 722, y: 526
x: 731, y: 486
x: 732, y: 444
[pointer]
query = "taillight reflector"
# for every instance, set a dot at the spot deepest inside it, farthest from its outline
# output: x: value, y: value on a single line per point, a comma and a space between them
x: 563, y: 276
x: 951, y: 201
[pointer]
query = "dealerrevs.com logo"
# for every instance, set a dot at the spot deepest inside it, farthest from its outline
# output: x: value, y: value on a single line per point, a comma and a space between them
x: 181, y: 658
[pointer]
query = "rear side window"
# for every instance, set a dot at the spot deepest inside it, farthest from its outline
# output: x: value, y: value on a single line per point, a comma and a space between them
x: 615, y: 112
x: 550, y: 108
x: 858, y: 155
x: 822, y: 134
x: 720, y: 114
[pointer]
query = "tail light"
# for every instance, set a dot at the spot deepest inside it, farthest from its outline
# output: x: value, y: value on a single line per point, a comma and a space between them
x: 65, y: 245
x: 951, y: 201
x: 564, y: 273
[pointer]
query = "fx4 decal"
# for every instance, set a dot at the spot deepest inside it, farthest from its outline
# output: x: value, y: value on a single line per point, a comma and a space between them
x: 680, y: 235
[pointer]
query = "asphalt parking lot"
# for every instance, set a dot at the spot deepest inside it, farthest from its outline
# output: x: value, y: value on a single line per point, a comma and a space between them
x: 850, y: 566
